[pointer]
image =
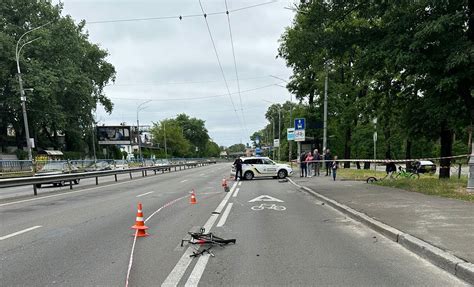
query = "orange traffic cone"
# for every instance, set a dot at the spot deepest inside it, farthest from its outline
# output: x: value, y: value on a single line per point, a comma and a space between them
x: 193, y: 198
x: 140, y: 223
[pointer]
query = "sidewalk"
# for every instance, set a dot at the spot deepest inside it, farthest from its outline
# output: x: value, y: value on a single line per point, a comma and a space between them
x: 445, y: 223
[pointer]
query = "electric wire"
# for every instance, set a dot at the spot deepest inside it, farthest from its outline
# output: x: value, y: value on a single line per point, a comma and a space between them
x: 180, y: 17
x: 219, y: 62
x: 194, y: 98
x: 235, y: 66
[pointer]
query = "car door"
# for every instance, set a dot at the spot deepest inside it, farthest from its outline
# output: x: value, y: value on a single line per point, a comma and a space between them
x: 256, y: 165
x: 269, y: 167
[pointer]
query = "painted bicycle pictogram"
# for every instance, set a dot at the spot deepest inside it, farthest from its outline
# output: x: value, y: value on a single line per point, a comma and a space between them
x: 268, y: 206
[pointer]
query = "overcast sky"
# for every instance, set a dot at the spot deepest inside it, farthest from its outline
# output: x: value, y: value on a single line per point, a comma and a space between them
x: 172, y: 62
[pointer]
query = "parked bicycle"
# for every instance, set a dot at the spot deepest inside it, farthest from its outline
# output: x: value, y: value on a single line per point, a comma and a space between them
x: 402, y: 173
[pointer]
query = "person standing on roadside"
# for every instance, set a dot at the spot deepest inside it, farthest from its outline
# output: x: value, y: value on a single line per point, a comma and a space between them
x: 309, y: 162
x: 238, y: 167
x: 303, y: 167
x: 327, y: 161
x: 317, y: 158
x: 334, y: 167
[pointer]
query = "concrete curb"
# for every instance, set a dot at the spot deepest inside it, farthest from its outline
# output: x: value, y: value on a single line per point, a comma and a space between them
x: 442, y: 259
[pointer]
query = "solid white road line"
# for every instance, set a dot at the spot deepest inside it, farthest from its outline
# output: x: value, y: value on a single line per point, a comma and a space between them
x: 178, y: 271
x: 140, y: 195
x: 19, y: 232
x: 236, y: 192
x: 224, y: 215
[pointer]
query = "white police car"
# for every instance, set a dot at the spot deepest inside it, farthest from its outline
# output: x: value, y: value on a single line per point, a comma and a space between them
x: 262, y: 167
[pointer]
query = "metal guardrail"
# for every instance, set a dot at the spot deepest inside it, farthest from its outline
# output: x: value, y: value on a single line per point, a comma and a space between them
x: 71, y: 177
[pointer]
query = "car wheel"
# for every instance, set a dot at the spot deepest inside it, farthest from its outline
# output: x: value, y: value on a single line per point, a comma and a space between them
x: 282, y: 174
x: 248, y: 175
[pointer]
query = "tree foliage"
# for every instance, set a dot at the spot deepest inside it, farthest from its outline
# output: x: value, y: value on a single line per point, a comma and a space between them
x: 67, y: 72
x: 408, y: 64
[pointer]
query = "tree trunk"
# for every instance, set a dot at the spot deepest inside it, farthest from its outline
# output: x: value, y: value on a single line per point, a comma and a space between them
x: 347, y: 147
x: 408, y: 154
x: 446, y: 150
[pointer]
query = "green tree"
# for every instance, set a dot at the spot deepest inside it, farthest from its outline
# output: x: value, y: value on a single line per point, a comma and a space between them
x: 66, y: 71
x: 171, y: 131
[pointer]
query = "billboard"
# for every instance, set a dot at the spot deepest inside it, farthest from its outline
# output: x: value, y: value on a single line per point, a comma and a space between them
x: 114, y: 135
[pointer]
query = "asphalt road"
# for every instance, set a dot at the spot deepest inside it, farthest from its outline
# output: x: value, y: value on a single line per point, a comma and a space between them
x: 83, y: 238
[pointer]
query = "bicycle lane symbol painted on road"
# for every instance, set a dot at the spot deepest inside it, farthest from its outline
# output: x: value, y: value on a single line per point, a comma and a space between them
x: 267, y: 198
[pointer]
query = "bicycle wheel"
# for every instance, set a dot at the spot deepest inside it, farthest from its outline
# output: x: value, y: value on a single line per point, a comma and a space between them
x: 371, y: 179
x: 414, y: 176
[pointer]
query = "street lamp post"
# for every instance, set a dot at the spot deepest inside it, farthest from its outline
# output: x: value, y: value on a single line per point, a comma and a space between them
x: 22, y: 91
x: 291, y: 112
x: 325, y: 117
x: 375, y: 142
x: 138, y: 130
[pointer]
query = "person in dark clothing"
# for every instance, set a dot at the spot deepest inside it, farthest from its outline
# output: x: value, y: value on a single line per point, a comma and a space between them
x: 238, y: 167
x: 390, y: 168
x: 327, y: 158
x: 303, y: 165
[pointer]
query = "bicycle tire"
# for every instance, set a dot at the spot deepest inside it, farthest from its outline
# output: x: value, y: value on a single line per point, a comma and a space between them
x: 371, y: 179
x: 414, y: 176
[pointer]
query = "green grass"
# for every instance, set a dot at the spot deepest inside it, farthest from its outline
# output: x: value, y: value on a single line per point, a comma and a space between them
x: 358, y: 174
x: 450, y: 188
x: 426, y: 184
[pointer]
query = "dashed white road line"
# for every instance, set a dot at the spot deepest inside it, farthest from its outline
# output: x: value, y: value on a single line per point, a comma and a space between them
x: 19, y: 232
x: 236, y: 192
x: 224, y: 215
x: 178, y: 271
x: 240, y: 183
x: 140, y: 195
x: 184, y: 180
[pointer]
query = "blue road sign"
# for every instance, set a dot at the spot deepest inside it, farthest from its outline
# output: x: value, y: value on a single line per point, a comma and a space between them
x: 299, y: 124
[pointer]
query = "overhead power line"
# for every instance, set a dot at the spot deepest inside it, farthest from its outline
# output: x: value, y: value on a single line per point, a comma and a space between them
x: 219, y: 62
x: 181, y: 17
x: 195, y: 98
x: 235, y: 66
x: 186, y: 82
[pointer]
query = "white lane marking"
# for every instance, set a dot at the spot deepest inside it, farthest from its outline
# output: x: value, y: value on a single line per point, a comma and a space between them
x: 240, y: 183
x: 19, y: 232
x: 265, y: 198
x: 178, y: 271
x: 131, y: 259
x: 202, y: 174
x: 136, y: 233
x: 184, y: 180
x: 224, y: 215
x: 236, y: 192
x: 198, y: 270
x: 140, y: 195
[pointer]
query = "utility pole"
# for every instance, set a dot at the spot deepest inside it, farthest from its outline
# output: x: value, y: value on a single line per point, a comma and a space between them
x: 138, y: 130
x: 325, y: 128
x: 279, y: 133
x: 22, y: 91
x: 166, y: 150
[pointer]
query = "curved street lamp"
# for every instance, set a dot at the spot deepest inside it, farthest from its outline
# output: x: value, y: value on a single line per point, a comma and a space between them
x: 139, y: 108
x: 22, y: 91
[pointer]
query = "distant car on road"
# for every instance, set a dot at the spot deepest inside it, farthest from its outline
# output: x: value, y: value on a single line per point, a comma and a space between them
x: 262, y: 167
x: 424, y: 166
x: 56, y: 168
